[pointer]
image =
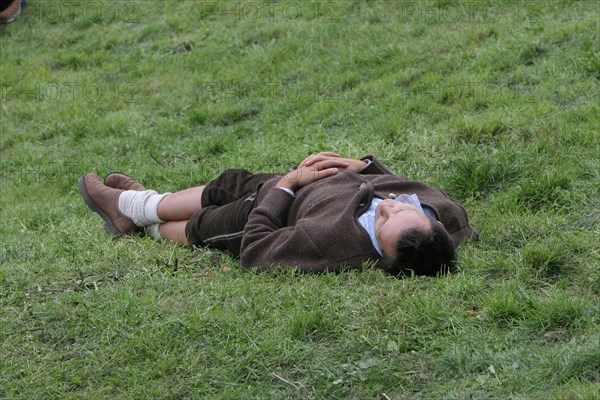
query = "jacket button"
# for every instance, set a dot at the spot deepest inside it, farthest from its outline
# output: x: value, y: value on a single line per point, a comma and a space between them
x: 362, y: 186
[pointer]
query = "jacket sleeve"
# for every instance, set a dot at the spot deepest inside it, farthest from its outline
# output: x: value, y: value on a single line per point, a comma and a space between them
x: 376, y: 167
x: 268, y: 242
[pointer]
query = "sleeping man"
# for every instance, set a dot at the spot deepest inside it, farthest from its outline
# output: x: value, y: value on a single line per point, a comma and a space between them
x: 328, y: 214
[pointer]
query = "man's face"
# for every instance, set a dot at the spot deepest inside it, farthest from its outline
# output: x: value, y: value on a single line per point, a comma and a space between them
x: 392, y: 218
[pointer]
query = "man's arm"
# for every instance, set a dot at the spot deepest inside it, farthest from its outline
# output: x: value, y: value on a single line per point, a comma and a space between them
x: 307, y: 174
x: 368, y: 165
x: 268, y: 240
x: 353, y: 165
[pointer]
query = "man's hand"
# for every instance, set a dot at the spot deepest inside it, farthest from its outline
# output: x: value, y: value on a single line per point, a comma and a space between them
x: 306, y: 175
x: 353, y: 165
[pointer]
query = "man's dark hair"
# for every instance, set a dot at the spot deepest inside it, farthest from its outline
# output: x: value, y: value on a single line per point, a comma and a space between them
x: 423, y: 252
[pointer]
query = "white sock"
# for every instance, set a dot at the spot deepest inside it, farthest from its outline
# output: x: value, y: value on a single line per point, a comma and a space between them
x: 141, y: 206
x: 153, y: 231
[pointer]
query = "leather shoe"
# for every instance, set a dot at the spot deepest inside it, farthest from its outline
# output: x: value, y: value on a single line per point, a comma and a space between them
x: 104, y: 201
x: 117, y: 180
x: 11, y: 12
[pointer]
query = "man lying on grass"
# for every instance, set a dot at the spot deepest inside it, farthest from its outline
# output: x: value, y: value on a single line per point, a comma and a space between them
x: 329, y: 214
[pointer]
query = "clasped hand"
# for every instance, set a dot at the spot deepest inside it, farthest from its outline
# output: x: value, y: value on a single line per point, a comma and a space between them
x: 316, y: 167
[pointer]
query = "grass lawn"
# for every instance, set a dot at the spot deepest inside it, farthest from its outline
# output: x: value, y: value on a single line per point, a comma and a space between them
x: 495, y: 102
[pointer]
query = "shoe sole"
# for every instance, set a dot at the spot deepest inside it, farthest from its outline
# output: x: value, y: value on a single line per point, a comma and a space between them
x: 108, y: 226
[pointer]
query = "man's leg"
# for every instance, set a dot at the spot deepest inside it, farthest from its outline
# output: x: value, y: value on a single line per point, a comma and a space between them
x: 227, y: 188
x: 220, y: 227
x: 175, y: 209
x: 166, y: 215
x: 215, y: 226
x: 173, y: 231
x: 227, y: 202
x: 172, y: 213
x: 180, y: 206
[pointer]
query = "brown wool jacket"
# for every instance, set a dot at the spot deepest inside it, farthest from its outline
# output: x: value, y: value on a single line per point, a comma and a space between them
x: 318, y: 229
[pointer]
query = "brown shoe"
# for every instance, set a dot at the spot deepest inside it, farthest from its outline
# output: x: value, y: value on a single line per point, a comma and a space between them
x: 105, y: 201
x: 117, y: 180
x: 11, y: 12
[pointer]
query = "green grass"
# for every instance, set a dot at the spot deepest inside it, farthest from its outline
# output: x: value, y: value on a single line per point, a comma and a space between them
x: 495, y: 102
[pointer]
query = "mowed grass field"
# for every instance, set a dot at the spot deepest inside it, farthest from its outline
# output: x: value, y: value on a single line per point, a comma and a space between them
x: 495, y: 102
